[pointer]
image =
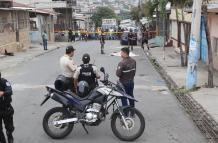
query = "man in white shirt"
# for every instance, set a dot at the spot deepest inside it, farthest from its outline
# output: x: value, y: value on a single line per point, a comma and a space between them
x: 68, y: 67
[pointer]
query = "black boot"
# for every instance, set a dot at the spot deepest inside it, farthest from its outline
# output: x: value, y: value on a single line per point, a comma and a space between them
x: 10, y: 138
x: 2, y: 137
x: 102, y: 51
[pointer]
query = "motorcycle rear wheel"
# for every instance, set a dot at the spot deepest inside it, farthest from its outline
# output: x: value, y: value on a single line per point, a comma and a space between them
x: 130, y: 115
x: 64, y: 129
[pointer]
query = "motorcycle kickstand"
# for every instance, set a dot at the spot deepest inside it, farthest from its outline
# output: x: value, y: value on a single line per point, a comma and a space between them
x: 84, y: 127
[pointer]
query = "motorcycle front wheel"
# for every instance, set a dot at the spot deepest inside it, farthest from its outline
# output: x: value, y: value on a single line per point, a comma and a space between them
x: 135, y: 122
x: 57, y: 131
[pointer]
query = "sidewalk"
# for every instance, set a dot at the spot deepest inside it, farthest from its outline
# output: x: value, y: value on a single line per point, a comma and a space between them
x: 35, y: 50
x: 205, y: 98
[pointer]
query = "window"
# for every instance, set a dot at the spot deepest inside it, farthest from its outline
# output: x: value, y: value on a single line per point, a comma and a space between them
x: 22, y: 20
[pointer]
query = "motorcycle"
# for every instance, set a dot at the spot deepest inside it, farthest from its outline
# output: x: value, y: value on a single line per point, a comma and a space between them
x: 127, y: 123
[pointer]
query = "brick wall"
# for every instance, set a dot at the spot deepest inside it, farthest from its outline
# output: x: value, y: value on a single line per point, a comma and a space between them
x: 8, y: 35
x: 8, y: 41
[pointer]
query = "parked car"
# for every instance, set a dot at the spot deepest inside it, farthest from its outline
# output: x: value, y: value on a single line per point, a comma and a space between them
x: 124, y: 39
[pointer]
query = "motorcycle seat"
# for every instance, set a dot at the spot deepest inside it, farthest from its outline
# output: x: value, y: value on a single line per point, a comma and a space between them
x: 73, y: 95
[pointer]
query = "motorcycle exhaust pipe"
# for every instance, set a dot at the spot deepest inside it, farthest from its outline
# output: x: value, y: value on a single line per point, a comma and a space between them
x: 65, y: 121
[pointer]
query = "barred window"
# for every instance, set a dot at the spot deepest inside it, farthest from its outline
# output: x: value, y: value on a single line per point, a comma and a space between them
x: 22, y: 20
x: 6, y: 26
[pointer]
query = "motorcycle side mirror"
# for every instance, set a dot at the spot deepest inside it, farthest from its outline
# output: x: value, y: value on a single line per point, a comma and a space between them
x: 102, y: 69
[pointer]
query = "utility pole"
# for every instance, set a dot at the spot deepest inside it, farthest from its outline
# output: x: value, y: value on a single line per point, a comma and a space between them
x: 191, y: 78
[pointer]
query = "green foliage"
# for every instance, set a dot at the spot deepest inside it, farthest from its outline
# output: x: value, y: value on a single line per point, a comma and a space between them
x: 181, y: 3
x: 152, y: 6
x: 162, y: 5
x: 135, y: 13
x: 102, y: 13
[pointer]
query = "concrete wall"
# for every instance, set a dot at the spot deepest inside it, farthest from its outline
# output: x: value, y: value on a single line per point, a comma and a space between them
x: 43, y: 22
x: 213, y: 28
x: 174, y: 28
x: 187, y: 16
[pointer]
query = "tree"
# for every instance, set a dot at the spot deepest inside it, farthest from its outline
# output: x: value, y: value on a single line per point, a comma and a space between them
x: 135, y: 14
x: 102, y: 13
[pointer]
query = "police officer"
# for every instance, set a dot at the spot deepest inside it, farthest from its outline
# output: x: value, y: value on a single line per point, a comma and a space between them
x: 6, y: 111
x: 131, y: 38
x: 126, y: 72
x: 102, y: 41
x: 87, y: 72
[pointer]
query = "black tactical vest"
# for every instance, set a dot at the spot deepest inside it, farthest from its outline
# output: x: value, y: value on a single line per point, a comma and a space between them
x: 87, y: 74
x: 6, y: 99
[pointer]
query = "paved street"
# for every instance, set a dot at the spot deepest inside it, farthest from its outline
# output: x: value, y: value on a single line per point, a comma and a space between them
x: 166, y: 121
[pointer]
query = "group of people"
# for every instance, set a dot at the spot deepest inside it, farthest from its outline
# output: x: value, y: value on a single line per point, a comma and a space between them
x: 73, y: 75
x: 89, y: 73
x: 81, y: 35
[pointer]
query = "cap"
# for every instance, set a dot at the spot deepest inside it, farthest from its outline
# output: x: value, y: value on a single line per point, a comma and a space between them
x: 69, y: 49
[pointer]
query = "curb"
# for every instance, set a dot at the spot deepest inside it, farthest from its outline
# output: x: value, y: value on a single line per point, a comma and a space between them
x: 30, y: 58
x: 203, y: 120
x: 2, y: 56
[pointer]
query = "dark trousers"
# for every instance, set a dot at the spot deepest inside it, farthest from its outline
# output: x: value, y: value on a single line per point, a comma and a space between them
x: 129, y: 87
x: 145, y: 41
x: 130, y: 45
x: 102, y: 48
x: 70, y: 84
x: 45, y: 44
x: 6, y: 117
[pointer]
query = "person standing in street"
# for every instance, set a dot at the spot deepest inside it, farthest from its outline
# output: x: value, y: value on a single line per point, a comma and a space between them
x: 102, y: 41
x: 70, y: 35
x: 87, y: 72
x: 6, y: 111
x: 126, y: 70
x: 68, y: 67
x: 45, y: 40
x: 145, y: 38
x: 131, y: 37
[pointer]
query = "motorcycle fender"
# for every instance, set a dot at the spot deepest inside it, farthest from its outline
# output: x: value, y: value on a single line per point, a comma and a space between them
x: 117, y: 111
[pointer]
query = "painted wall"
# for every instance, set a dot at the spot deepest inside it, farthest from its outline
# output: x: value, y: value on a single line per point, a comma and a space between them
x: 43, y: 22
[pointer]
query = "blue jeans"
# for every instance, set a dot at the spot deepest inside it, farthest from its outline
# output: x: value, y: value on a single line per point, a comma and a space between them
x: 129, y: 87
x: 45, y: 44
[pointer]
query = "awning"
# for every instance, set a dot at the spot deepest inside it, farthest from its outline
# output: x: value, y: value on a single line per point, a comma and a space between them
x: 21, y: 8
x: 44, y: 11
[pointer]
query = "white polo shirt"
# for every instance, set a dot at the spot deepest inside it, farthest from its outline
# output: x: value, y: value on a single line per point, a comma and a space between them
x: 68, y: 67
